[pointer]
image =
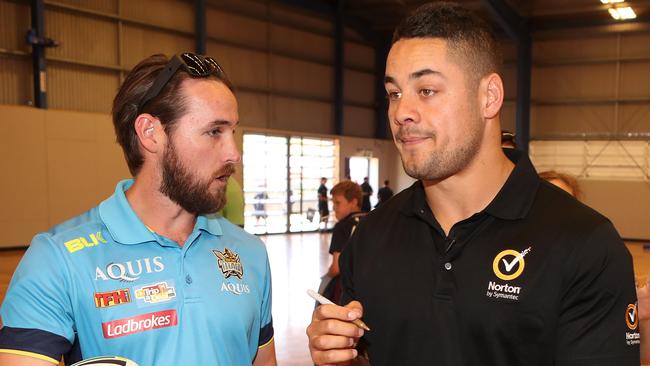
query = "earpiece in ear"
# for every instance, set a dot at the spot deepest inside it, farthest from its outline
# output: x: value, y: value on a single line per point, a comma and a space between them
x: 149, y: 131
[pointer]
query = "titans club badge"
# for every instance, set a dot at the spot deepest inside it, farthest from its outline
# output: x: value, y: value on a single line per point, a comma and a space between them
x: 229, y: 263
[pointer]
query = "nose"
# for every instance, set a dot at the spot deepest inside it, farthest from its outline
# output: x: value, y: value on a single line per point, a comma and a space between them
x: 404, y: 110
x: 230, y: 151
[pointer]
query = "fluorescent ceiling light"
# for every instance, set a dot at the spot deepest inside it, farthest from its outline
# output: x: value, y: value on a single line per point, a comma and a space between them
x: 626, y: 13
x: 622, y: 13
x: 611, y: 1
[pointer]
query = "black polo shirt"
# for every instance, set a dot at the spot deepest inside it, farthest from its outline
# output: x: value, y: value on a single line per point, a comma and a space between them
x: 342, y: 231
x: 536, y: 278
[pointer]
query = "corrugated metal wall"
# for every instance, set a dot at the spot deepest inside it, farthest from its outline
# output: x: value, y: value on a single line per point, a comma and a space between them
x: 280, y: 60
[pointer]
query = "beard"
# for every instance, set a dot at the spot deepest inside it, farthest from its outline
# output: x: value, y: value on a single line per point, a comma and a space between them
x: 189, y: 191
x: 438, y: 165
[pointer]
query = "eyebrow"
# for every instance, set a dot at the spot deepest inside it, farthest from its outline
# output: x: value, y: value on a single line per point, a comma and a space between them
x: 414, y: 75
x: 223, y: 122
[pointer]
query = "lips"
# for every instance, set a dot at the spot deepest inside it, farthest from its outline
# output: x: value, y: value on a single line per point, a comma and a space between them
x: 224, y: 173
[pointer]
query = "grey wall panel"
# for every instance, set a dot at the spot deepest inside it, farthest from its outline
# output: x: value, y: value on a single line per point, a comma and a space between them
x: 294, y: 42
x: 574, y: 82
x: 174, y: 14
x: 301, y: 116
x: 236, y: 28
x: 579, y: 48
x: 244, y: 67
x: 85, y: 39
x: 635, y: 45
x: 81, y: 88
x: 635, y: 80
x: 253, y: 109
x: 14, y: 22
x: 140, y: 42
x: 359, y: 122
x: 15, y: 80
x: 553, y: 120
x: 634, y: 117
x: 359, y: 87
x: 104, y: 6
x: 357, y: 55
x: 294, y: 16
x: 300, y: 77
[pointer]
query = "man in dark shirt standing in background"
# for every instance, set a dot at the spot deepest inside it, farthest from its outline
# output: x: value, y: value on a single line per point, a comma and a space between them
x: 367, y: 192
x: 323, y: 207
x: 384, y: 194
x: 480, y: 262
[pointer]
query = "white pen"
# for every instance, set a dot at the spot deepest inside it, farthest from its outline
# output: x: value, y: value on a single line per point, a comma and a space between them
x: 325, y: 301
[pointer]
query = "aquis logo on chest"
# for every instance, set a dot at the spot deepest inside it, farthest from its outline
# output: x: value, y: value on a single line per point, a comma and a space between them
x: 129, y: 271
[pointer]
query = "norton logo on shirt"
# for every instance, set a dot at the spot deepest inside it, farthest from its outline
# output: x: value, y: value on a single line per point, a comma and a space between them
x: 129, y: 271
x: 229, y: 263
x: 507, y: 266
x: 632, y: 322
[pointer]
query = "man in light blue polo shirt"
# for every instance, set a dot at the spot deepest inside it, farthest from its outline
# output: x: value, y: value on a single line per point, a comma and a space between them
x: 146, y: 275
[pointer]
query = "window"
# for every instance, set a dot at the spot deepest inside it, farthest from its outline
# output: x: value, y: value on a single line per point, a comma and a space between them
x: 281, y: 177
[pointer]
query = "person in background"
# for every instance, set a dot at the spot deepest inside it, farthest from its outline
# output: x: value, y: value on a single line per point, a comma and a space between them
x: 366, y: 188
x: 346, y: 198
x: 150, y: 274
x: 564, y: 181
x: 233, y: 211
x: 384, y: 193
x: 479, y: 262
x: 323, y: 204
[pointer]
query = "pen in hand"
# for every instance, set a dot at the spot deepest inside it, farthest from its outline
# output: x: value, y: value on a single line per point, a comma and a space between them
x: 324, y: 301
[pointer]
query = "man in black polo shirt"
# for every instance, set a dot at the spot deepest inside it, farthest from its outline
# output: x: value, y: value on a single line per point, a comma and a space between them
x: 479, y: 262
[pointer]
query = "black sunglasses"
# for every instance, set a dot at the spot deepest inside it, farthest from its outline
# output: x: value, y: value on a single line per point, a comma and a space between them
x: 195, y: 65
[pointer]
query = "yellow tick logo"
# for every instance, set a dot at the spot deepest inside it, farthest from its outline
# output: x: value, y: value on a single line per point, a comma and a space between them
x: 631, y: 318
x: 512, y: 262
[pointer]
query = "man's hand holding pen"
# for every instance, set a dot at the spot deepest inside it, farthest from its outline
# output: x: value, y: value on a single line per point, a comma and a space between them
x: 332, y: 335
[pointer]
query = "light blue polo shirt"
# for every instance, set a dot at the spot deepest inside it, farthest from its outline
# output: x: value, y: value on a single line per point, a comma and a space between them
x: 103, y: 284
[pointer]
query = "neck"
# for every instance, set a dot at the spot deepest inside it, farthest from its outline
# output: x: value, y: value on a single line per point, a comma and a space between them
x: 469, y: 191
x: 157, y: 211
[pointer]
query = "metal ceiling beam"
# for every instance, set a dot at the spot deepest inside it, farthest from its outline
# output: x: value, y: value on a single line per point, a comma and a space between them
x: 339, y: 65
x: 200, y: 27
x: 517, y: 27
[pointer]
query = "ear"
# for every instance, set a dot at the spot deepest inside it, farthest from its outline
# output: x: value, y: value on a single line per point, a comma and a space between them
x: 149, y: 131
x: 491, y: 95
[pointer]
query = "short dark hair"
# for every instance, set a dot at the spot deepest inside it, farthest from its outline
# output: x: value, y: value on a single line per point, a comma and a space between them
x: 467, y: 35
x: 349, y: 190
x: 168, y: 106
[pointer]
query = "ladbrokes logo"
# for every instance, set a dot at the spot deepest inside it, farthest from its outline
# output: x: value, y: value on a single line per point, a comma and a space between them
x: 229, y: 263
x: 139, y: 323
x: 112, y: 298
x: 512, y: 263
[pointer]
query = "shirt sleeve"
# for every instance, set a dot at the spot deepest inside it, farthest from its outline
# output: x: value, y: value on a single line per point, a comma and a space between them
x: 37, y: 312
x: 598, y: 322
x: 266, y: 332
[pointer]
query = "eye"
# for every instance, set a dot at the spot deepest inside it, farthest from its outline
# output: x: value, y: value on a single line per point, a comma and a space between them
x: 393, y: 95
x: 427, y: 92
x: 214, y: 132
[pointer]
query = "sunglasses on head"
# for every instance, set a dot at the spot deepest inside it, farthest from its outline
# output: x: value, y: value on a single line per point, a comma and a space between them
x: 195, y: 65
